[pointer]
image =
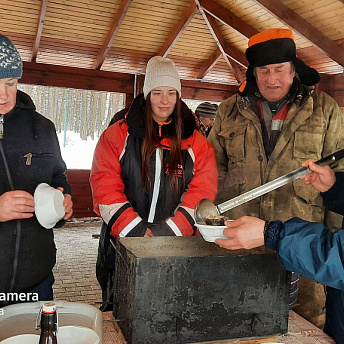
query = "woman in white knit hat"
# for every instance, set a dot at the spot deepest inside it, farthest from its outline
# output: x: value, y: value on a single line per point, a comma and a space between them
x: 152, y: 167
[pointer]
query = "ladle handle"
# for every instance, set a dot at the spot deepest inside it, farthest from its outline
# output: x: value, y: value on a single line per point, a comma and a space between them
x: 276, y: 183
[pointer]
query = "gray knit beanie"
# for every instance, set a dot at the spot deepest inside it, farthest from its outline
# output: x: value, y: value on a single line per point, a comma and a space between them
x: 11, y: 65
x: 161, y: 71
x: 206, y: 109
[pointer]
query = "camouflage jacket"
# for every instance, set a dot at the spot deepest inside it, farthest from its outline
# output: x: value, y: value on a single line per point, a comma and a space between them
x: 311, y: 131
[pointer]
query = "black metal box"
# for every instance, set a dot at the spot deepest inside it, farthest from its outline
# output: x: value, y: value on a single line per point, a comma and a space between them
x: 185, y: 290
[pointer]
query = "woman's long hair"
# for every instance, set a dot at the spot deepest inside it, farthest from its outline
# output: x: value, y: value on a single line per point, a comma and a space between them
x: 152, y: 141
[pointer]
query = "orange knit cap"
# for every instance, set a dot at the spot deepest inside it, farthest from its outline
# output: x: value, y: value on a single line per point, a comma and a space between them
x: 269, y: 34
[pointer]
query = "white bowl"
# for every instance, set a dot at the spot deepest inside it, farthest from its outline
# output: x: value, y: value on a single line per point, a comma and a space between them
x: 22, y: 339
x: 49, y: 207
x: 211, y: 233
x: 77, y: 335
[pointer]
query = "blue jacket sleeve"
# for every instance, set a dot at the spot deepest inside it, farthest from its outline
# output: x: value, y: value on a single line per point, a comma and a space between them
x: 309, y: 249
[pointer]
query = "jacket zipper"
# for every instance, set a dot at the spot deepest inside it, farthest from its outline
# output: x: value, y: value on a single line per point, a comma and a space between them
x: 2, y: 118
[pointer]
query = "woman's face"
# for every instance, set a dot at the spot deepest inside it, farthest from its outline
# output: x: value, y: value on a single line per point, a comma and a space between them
x: 163, y: 100
x: 8, y: 94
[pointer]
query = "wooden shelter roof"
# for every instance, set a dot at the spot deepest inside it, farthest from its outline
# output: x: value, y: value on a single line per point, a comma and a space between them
x: 206, y: 38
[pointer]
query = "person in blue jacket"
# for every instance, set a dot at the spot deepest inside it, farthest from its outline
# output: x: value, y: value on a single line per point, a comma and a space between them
x: 308, y: 248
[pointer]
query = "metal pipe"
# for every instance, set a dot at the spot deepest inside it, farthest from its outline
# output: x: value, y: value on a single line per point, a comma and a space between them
x: 276, y: 183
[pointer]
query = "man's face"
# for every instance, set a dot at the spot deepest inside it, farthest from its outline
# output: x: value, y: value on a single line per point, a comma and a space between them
x: 8, y: 94
x: 208, y: 122
x: 274, y: 80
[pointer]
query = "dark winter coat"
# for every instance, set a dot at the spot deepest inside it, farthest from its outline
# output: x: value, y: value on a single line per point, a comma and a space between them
x: 25, y: 132
x: 313, y: 129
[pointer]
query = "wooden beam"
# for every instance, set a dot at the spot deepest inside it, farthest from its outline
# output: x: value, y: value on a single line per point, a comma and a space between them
x: 304, y: 29
x: 38, y: 35
x: 210, y: 63
x: 222, y: 43
x: 90, y: 79
x: 230, y: 51
x: 178, y: 29
x: 193, y: 89
x: 80, y: 78
x: 235, y: 55
x: 227, y: 17
x: 118, y: 19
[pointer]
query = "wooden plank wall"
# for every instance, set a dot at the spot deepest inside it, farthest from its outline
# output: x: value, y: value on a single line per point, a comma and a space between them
x: 336, y: 89
x: 334, y: 86
x: 81, y: 193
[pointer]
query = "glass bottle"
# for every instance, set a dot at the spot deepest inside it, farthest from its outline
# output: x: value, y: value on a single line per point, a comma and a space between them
x: 48, y: 324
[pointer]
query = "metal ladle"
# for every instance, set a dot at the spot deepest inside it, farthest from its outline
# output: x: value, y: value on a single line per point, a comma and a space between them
x: 205, y: 207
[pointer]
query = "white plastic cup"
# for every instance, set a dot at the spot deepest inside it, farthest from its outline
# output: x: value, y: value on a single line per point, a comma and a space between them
x: 49, y: 207
x: 211, y: 233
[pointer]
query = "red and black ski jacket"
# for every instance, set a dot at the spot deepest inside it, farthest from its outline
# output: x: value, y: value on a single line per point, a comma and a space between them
x: 118, y: 194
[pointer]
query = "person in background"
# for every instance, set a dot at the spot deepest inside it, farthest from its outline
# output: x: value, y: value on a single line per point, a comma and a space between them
x: 150, y: 169
x: 29, y: 155
x: 205, y: 114
x: 308, y: 248
x: 277, y: 120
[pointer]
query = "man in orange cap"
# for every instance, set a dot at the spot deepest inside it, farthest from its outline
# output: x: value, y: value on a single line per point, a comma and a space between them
x: 278, y: 120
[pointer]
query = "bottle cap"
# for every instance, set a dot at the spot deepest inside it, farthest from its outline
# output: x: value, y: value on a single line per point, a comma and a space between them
x: 49, y: 307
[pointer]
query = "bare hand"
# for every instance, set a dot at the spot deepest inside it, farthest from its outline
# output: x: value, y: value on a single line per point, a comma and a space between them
x: 322, y: 177
x: 148, y: 233
x: 16, y: 204
x: 68, y: 204
x: 246, y: 232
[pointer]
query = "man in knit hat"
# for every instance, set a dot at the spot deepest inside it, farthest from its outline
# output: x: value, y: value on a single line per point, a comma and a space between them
x: 29, y: 155
x: 205, y: 114
x: 277, y: 121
